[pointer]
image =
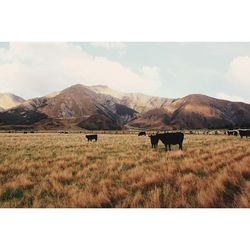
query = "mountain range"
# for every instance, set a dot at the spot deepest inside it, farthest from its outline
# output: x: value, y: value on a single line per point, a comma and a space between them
x: 102, y: 108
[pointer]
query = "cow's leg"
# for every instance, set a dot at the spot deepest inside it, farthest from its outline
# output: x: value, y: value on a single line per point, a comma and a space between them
x: 180, y: 146
x: 166, y: 147
x: 169, y: 145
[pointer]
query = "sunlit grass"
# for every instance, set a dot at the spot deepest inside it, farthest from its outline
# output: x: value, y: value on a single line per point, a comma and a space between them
x: 64, y: 170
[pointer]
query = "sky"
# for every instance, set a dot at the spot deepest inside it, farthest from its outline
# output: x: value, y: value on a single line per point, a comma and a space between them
x: 172, y: 70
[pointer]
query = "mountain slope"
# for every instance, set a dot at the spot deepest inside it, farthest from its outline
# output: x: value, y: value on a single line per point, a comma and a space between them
x: 99, y: 107
x: 8, y: 100
x: 196, y: 111
x: 137, y: 101
x: 74, y: 106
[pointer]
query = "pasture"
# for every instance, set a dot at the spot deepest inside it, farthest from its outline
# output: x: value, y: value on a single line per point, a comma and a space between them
x: 119, y: 170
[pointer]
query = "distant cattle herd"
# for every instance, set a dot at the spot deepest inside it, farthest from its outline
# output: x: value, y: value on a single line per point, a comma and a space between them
x: 170, y: 138
x: 241, y: 132
x: 174, y: 138
x: 167, y: 139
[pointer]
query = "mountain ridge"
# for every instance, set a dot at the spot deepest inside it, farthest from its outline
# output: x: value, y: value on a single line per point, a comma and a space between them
x: 198, y: 111
x: 74, y: 106
x: 137, y: 101
x: 100, y: 107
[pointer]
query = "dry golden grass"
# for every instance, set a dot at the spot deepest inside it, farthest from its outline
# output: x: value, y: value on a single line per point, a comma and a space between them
x: 64, y: 170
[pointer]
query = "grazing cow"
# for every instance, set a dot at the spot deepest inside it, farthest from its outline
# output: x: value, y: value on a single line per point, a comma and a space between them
x: 154, y: 140
x: 91, y: 137
x: 232, y: 132
x: 169, y: 139
x: 25, y: 132
x: 142, y: 133
x: 244, y: 132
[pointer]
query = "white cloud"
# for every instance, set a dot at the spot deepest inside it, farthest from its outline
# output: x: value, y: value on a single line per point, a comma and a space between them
x: 232, y: 98
x: 35, y: 69
x: 109, y: 45
x: 239, y: 72
x: 151, y: 72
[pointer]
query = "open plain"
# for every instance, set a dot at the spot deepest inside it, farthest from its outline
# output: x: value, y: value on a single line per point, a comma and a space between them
x: 122, y: 170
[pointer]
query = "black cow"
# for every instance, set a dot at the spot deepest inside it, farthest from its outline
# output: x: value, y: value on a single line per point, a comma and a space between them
x: 91, y: 137
x: 244, y: 132
x: 154, y: 140
x: 169, y: 139
x: 232, y: 132
x: 142, y: 133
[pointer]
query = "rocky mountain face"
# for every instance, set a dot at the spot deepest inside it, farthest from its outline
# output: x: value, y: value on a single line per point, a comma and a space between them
x: 196, y: 111
x: 99, y: 107
x: 8, y: 100
x: 137, y: 101
x: 74, y: 106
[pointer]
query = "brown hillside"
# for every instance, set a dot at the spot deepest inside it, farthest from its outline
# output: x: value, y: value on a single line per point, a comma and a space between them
x: 76, y: 105
x: 100, y: 107
x: 137, y: 101
x: 197, y: 111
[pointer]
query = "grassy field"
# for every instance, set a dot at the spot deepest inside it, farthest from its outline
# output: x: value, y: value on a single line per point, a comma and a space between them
x: 64, y: 170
